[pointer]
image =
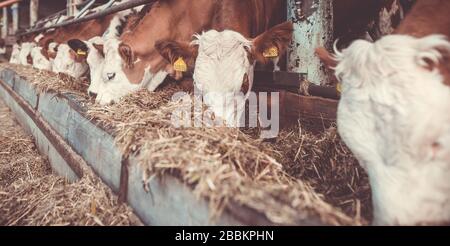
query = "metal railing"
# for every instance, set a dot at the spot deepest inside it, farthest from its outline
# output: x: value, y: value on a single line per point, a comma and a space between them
x: 108, y: 11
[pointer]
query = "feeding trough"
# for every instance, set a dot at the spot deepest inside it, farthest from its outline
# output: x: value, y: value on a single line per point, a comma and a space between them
x: 196, y: 176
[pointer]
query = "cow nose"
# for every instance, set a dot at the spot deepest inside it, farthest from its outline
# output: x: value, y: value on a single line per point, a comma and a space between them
x: 111, y: 76
x: 92, y: 94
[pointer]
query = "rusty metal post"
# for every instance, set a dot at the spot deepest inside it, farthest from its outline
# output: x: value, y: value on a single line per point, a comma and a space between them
x: 313, y: 27
x: 5, y: 23
x: 15, y: 17
x: 34, y: 12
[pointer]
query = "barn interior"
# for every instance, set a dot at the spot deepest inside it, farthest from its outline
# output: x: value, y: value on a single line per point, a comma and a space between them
x: 304, y: 176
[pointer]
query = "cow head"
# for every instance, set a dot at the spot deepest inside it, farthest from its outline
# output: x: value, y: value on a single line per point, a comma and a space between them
x: 94, y: 58
x: 15, y: 54
x: 70, y: 62
x: 52, y: 50
x: 123, y: 72
x: 223, y: 61
x: 393, y: 115
x: 25, y: 53
x: 40, y: 58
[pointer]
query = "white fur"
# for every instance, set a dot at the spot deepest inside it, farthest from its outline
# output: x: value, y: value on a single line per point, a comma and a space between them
x: 63, y: 63
x: 25, y: 51
x: 95, y: 61
x: 15, y: 54
x: 393, y: 115
x: 118, y: 20
x: 220, y: 67
x: 39, y: 60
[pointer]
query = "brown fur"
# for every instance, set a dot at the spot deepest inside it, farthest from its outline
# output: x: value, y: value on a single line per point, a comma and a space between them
x: 178, y: 20
x: 127, y: 55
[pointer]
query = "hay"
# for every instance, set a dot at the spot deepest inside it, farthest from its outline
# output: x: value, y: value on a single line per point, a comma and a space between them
x: 225, y: 165
x: 299, y: 176
x: 31, y: 195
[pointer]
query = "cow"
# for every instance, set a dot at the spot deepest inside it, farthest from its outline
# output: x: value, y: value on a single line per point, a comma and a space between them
x: 71, y: 58
x: 67, y: 60
x: 2, y: 46
x: 93, y: 48
x: 25, y: 53
x: 133, y: 61
x: 40, y: 59
x: 94, y: 59
x: 223, y: 61
x: 393, y: 115
x: 14, y: 59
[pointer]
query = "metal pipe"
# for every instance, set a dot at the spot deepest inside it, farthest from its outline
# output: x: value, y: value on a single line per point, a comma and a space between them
x: 108, y: 4
x: 85, y: 9
x: 114, y: 9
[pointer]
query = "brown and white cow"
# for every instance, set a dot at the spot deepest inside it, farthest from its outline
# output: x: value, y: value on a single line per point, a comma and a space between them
x: 133, y: 61
x: 93, y: 47
x: 393, y: 115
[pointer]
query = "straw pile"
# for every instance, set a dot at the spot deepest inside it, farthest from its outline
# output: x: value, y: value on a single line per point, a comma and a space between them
x: 31, y: 195
x: 227, y: 165
x: 299, y: 176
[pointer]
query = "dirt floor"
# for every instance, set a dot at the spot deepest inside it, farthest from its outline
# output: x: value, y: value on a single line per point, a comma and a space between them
x: 30, y: 194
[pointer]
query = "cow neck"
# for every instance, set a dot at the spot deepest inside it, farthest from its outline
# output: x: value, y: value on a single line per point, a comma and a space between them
x: 249, y: 18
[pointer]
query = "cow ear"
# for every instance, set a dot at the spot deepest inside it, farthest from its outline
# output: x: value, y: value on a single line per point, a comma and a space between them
x: 99, y: 48
x: 127, y: 55
x: 273, y: 42
x: 78, y: 46
x: 326, y: 57
x: 52, y: 53
x: 45, y: 43
x: 172, y: 51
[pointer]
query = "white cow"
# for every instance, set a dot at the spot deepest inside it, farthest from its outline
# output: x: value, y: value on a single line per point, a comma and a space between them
x: 40, y: 61
x: 394, y: 116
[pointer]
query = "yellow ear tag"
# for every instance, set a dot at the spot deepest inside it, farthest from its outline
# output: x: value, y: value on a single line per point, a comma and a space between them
x: 180, y: 65
x: 81, y: 52
x: 339, y: 87
x: 271, y: 52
